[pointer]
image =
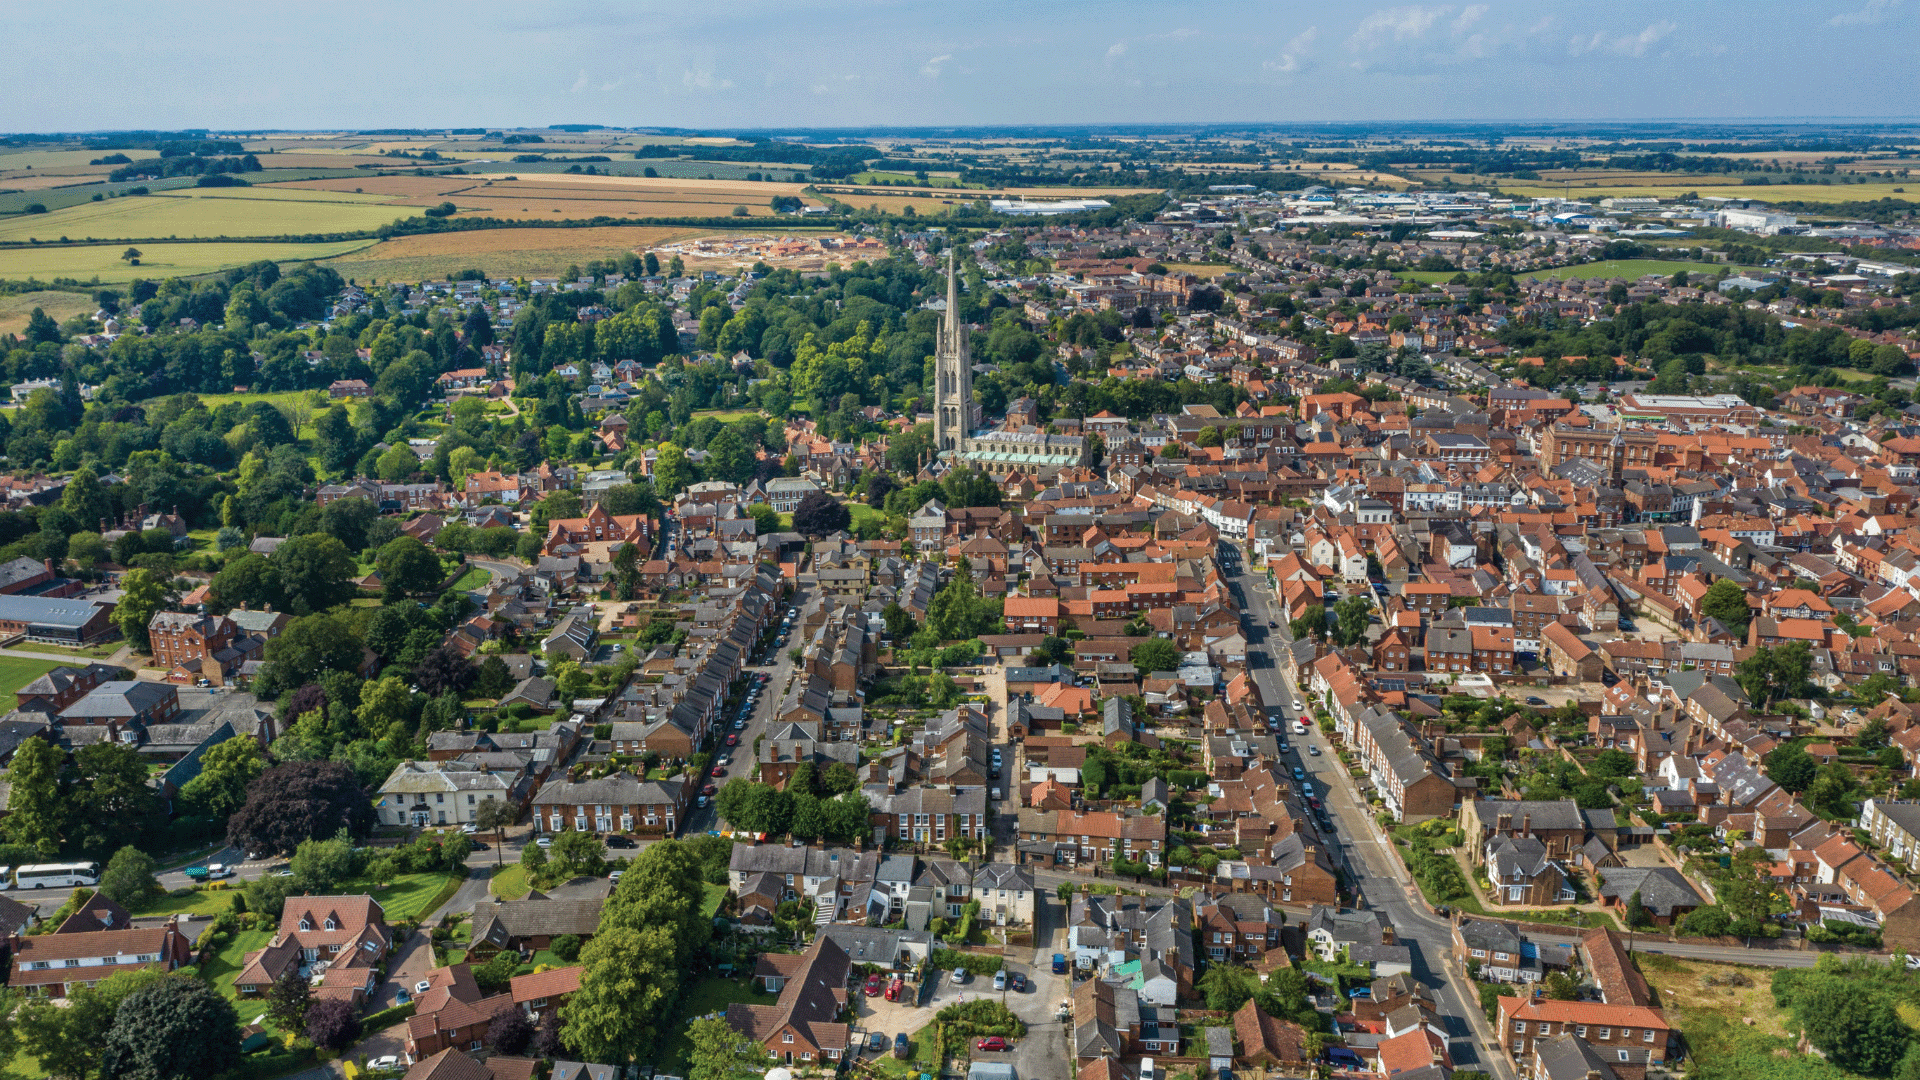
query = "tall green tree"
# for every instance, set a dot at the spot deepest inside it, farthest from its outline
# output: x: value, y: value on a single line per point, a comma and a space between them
x: 628, y: 979
x: 225, y: 771
x: 1726, y: 601
x: 1155, y: 654
x: 1790, y: 766
x: 128, y: 878
x: 70, y: 1042
x: 37, y: 808
x: 407, y: 568
x: 143, y: 595
x: 316, y: 571
x: 717, y: 1052
x: 179, y: 1028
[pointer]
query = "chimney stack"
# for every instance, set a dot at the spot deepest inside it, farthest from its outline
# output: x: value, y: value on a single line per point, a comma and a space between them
x: 1526, y: 824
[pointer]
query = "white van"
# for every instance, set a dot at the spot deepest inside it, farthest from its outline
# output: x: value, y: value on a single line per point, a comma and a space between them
x: 1146, y: 1069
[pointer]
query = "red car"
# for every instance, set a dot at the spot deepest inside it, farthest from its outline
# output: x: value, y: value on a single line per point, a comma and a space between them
x: 709, y: 790
x: 875, y: 984
x: 733, y: 740
x: 992, y: 1042
x: 719, y: 770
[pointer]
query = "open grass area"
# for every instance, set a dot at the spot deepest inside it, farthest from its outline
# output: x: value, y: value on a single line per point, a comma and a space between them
x: 1635, y: 268
x: 89, y: 652
x: 499, y: 252
x: 726, y: 416
x: 18, y: 671
x: 710, y: 903
x: 1204, y: 270
x: 707, y: 996
x: 86, y: 262
x: 317, y: 398
x: 201, y: 901
x: 207, y: 212
x: 510, y: 883
x: 861, y: 512
x: 474, y: 578
x: 61, y: 306
x: 1733, y: 1032
x: 224, y: 966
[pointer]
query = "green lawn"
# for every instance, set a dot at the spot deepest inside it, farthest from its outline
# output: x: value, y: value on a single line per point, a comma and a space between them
x: 861, y: 512
x: 225, y: 965
x: 474, y: 578
x: 1634, y: 268
x: 711, y: 905
x: 726, y: 416
x: 90, y: 652
x: 197, y: 902
x: 18, y: 671
x: 707, y: 996
x: 411, y: 896
x: 510, y: 883
x: 314, y: 397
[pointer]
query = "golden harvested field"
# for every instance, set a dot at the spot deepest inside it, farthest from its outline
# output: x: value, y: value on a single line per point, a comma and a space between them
x: 156, y: 260
x: 204, y: 212
x: 643, y: 186
x: 502, y: 252
x: 531, y: 208
x: 42, y: 181
x: 1205, y: 270
x: 395, y: 187
x: 1698, y: 990
x: 14, y: 310
x: 66, y: 159
x: 1826, y: 193
x: 328, y: 159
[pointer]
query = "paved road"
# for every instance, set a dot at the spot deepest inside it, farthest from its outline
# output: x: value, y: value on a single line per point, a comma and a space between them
x: 780, y: 671
x: 1357, y: 846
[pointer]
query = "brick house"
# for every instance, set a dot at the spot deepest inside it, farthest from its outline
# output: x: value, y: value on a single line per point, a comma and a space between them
x: 618, y: 803
x: 183, y: 639
x: 545, y: 991
x: 1238, y: 927
x: 803, y: 1025
x: 452, y: 1013
x: 91, y: 945
x: 1628, y: 1036
x: 349, y: 932
x: 1032, y: 615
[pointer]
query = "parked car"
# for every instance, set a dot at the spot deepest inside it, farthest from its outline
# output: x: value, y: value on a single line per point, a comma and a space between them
x: 959, y: 976
x: 710, y: 789
x: 1000, y: 980
x: 1299, y: 773
x: 469, y: 828
x: 719, y: 770
x: 1017, y: 983
x: 992, y: 1043
x: 620, y: 842
x: 875, y: 985
x: 702, y: 802
x: 877, y: 1042
x: 390, y: 1061
x: 422, y: 986
x: 1313, y: 750
x: 196, y: 873
x: 733, y: 740
x: 545, y: 841
x: 1536, y: 701
x: 901, y: 1046
x: 1360, y: 992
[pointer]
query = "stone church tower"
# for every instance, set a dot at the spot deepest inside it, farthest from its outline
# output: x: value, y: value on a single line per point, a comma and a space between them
x: 952, y: 374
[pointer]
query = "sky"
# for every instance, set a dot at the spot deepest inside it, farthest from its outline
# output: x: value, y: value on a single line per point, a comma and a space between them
x: 88, y: 65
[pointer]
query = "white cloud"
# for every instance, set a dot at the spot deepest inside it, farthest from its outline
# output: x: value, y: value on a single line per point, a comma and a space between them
x: 1872, y: 13
x: 1182, y: 33
x: 1293, y: 56
x: 1627, y: 45
x: 704, y: 80
x: 580, y: 83
x: 932, y: 67
x: 1395, y: 24
x: 1471, y: 14
x: 1116, y: 50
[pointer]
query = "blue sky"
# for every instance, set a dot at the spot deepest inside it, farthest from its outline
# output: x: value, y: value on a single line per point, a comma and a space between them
x: 95, y: 65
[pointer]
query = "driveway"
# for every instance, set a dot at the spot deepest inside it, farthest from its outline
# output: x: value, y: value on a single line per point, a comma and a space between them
x: 409, y: 966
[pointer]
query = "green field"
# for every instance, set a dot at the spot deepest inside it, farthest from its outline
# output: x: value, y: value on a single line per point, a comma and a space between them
x: 1633, y: 268
x: 18, y: 671
x: 474, y: 578
x: 726, y: 416
x: 206, y: 212
x: 156, y: 260
x: 861, y: 512
x: 317, y: 398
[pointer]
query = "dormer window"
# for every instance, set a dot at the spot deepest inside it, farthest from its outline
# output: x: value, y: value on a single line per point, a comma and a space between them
x: 305, y: 923
x: 331, y: 925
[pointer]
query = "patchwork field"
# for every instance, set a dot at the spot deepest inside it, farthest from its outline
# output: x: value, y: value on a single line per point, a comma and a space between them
x: 15, y: 310
x: 204, y: 212
x: 503, y: 252
x: 1594, y: 189
x: 84, y: 263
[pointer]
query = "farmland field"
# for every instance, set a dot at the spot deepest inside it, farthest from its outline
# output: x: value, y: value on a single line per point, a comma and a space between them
x: 156, y: 261
x: 1594, y: 189
x: 207, y: 212
x: 499, y: 252
x: 62, y: 306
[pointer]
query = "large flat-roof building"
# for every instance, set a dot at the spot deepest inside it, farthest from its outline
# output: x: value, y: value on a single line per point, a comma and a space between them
x: 57, y: 622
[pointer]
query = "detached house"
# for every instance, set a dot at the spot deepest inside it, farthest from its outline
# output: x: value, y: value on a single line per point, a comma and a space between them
x: 804, y: 1025
x: 343, y: 939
